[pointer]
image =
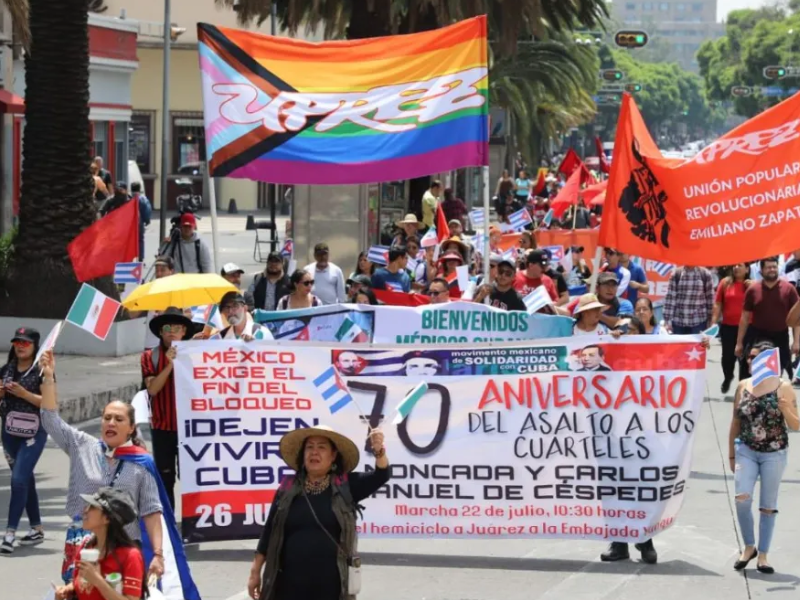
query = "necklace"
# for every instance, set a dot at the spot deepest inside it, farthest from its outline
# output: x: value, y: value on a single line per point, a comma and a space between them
x: 315, y: 488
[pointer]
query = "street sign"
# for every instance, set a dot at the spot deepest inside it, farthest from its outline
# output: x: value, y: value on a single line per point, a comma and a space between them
x: 612, y: 87
x: 741, y: 91
x: 774, y: 91
x: 629, y: 38
x: 607, y: 99
x: 774, y: 72
x: 612, y: 75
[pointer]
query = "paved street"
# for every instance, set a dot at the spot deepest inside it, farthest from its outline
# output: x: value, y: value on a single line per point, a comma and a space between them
x: 695, y: 556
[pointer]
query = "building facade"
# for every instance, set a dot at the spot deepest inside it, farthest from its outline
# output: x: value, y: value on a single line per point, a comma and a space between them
x: 683, y: 24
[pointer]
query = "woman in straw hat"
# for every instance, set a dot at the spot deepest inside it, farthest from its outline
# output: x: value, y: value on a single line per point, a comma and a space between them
x: 408, y: 226
x: 587, y: 316
x: 309, y: 544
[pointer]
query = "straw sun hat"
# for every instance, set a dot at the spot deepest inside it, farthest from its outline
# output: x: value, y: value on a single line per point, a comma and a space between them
x: 292, y: 442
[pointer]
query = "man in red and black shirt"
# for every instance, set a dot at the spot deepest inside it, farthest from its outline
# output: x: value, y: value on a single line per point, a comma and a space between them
x: 170, y: 326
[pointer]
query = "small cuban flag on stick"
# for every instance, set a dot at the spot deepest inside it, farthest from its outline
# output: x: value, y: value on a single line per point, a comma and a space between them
x: 537, y: 300
x: 520, y: 219
x: 476, y: 217
x: 333, y: 389
x: 766, y: 366
x: 378, y: 255
x: 547, y: 220
x: 208, y: 315
x: 130, y: 272
x: 407, y: 403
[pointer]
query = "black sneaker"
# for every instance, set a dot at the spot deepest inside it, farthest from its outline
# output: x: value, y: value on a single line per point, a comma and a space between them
x: 7, y: 547
x: 616, y: 551
x: 726, y: 386
x: 649, y: 554
x: 33, y: 538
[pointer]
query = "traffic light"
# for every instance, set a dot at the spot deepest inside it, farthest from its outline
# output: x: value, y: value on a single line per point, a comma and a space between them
x: 631, y: 39
x: 741, y: 91
x: 632, y: 88
x: 774, y: 72
x: 612, y: 75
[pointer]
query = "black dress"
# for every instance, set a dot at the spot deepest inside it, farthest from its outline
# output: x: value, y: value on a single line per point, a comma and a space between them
x: 308, y: 567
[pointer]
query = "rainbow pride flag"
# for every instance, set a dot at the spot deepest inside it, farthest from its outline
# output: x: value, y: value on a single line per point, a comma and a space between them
x: 289, y: 111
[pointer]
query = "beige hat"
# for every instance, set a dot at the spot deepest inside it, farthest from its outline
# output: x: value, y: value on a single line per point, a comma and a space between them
x: 411, y: 219
x: 292, y: 442
x: 588, y: 302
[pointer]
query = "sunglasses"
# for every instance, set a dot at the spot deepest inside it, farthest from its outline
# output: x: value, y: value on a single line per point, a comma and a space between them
x: 439, y: 293
x: 22, y: 343
x: 505, y: 273
x: 308, y: 283
x: 173, y: 329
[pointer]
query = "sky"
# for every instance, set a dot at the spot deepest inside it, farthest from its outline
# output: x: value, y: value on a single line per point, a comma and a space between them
x: 726, y: 6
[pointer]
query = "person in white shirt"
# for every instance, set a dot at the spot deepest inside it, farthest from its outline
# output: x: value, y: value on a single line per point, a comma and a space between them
x: 328, y: 278
x: 587, y: 316
x: 241, y: 325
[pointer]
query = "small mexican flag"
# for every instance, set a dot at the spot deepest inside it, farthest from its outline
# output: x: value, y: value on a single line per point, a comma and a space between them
x: 93, y: 311
x: 349, y: 331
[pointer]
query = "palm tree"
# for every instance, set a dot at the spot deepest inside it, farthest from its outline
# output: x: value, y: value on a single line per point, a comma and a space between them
x: 56, y: 198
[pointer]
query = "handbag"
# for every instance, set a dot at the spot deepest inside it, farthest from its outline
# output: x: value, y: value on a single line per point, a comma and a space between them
x: 22, y: 424
x: 353, y: 562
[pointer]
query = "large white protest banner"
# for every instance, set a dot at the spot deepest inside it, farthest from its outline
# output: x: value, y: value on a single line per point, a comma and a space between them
x: 568, y: 437
x: 451, y: 323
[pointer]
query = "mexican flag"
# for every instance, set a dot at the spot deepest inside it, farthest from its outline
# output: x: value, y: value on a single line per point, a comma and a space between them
x: 93, y: 311
x: 349, y: 331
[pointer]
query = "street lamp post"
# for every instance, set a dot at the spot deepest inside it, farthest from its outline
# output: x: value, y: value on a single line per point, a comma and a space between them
x: 165, y: 125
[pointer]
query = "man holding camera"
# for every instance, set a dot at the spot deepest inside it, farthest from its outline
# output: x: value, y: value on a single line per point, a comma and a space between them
x: 190, y: 253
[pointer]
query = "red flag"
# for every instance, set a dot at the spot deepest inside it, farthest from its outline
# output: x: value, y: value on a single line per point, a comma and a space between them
x: 541, y: 185
x: 113, y: 239
x: 605, y: 167
x: 573, y: 162
x: 401, y: 298
x: 442, y: 228
x: 568, y: 194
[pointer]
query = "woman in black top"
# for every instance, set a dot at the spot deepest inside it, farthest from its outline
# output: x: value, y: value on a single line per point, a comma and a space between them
x: 309, y: 538
x: 23, y: 436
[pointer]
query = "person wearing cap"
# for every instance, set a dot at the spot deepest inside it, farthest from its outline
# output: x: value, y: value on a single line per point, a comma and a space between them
x: 270, y: 286
x: 587, y: 316
x: 328, y: 278
x: 616, y: 307
x: 430, y: 201
x: 170, y: 326
x: 638, y: 282
x: 534, y: 275
x: 106, y: 514
x: 408, y: 226
x: 232, y: 273
x: 501, y: 292
x: 455, y: 244
x: 23, y: 436
x: 448, y: 262
x: 240, y: 325
x: 190, y: 253
x: 393, y: 277
x: 310, y: 535
x: 357, y: 284
x: 613, y: 266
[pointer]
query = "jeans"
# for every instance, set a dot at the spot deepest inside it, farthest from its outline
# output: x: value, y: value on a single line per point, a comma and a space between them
x: 728, y: 335
x: 688, y: 329
x: 22, y: 455
x: 750, y: 465
x: 165, y: 455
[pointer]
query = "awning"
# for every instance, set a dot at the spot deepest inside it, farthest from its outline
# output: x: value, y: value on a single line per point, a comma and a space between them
x: 11, y: 104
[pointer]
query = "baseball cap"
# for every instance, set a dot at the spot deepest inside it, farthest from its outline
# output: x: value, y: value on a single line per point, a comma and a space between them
x: 274, y: 257
x: 188, y: 219
x: 26, y: 334
x: 321, y: 248
x: 607, y: 278
x: 231, y: 268
x: 537, y: 257
x: 454, y: 222
x: 360, y: 279
x: 115, y: 503
x: 576, y: 249
x: 232, y: 298
x: 165, y: 261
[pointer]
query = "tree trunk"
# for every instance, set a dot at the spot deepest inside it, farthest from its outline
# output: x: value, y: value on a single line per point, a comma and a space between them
x: 56, y: 201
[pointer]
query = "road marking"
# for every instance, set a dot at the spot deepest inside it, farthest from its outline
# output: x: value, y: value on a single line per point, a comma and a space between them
x: 240, y: 596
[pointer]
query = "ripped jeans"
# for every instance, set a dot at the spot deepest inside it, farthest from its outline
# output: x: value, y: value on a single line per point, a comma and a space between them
x: 750, y: 466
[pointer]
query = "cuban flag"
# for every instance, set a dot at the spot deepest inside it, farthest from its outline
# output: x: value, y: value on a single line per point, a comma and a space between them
x: 207, y: 315
x: 176, y: 583
x: 429, y: 239
x: 476, y: 217
x: 547, y: 220
x: 130, y: 272
x: 766, y: 366
x: 333, y: 389
x: 378, y: 255
x: 520, y: 219
x: 662, y: 268
x: 510, y: 254
x: 288, y: 249
x: 556, y: 253
x: 537, y: 300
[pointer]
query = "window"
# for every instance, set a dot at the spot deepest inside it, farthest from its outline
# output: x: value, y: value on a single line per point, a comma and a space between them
x: 648, y: 6
x: 141, y: 141
x: 697, y: 7
x: 188, y: 143
x: 100, y: 141
x: 663, y: 7
x: 680, y: 7
x: 630, y: 6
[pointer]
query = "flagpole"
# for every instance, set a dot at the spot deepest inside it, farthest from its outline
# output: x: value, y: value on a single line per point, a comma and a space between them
x: 487, y: 277
x: 212, y: 204
x: 598, y: 254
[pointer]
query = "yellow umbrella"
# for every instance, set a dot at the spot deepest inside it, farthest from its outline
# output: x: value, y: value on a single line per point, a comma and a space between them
x: 179, y: 290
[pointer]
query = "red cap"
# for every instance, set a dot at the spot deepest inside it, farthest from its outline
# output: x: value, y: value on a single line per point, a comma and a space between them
x: 188, y: 219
